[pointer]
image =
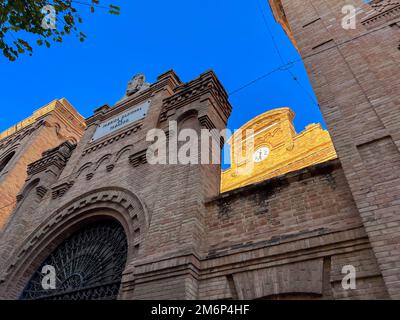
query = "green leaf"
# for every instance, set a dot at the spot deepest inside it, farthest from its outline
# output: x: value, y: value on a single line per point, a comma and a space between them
x: 20, y: 49
x: 26, y: 17
x: 114, y: 9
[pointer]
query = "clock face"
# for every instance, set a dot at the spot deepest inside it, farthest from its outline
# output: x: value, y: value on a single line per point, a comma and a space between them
x: 261, y: 154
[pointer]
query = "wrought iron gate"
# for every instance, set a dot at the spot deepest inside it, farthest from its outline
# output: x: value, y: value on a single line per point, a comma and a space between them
x: 88, y: 266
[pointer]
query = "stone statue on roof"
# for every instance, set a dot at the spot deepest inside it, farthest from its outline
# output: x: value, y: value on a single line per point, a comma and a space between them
x: 135, y: 85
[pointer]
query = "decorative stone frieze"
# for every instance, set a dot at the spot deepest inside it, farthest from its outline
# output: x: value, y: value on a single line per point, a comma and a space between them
x: 57, y: 157
x: 138, y: 158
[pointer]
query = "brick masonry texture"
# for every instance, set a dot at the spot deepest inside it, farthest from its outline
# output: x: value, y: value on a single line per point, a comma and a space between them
x: 284, y: 238
x: 47, y: 128
x: 360, y: 101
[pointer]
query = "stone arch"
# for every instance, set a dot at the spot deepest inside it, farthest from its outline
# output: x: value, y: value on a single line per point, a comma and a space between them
x: 88, y: 264
x: 11, y: 147
x: 9, y: 142
x: 122, y: 152
x: 21, y: 203
x: 113, y: 203
x: 103, y: 160
x: 6, y: 160
x: 8, y: 156
x: 86, y: 166
x: 187, y: 119
x: 18, y: 137
x: 72, y: 140
x: 28, y: 188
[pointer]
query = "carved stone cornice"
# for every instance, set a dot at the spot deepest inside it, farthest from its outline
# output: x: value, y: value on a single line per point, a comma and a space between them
x: 138, y: 158
x: 70, y: 117
x: 206, y: 122
x: 89, y: 176
x: 18, y: 136
x: 60, y: 190
x: 168, y: 80
x: 206, y: 84
x: 382, y: 12
x: 57, y: 157
x: 41, y: 191
x: 111, y: 139
x: 278, y: 182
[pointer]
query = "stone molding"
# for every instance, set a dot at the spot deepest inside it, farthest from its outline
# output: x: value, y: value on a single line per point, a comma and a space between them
x: 138, y: 158
x: 131, y: 209
x: 206, y: 84
x: 57, y: 157
x: 114, y: 138
x: 378, y: 18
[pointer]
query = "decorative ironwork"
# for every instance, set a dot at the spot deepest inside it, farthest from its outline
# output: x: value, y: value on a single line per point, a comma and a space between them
x: 88, y: 265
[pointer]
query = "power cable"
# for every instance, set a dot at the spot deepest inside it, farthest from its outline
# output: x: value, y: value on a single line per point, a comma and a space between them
x: 281, y: 68
x: 294, y: 77
x: 90, y: 4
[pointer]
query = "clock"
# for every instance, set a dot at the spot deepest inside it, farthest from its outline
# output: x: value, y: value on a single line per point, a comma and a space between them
x: 261, y: 154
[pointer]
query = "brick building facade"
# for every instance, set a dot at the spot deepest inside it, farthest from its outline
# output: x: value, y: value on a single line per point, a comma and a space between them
x: 25, y: 142
x: 166, y: 231
x: 354, y: 73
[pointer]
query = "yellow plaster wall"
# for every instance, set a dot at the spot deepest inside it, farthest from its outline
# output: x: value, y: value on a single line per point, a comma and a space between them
x: 289, y: 151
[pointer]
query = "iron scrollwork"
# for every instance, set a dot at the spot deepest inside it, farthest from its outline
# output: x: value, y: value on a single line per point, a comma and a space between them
x: 88, y: 265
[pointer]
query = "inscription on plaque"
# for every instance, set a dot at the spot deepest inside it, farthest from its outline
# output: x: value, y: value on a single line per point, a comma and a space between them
x: 122, y: 120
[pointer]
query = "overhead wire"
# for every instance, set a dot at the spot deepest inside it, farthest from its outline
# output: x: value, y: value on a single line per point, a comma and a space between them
x: 303, y: 58
x: 280, y: 55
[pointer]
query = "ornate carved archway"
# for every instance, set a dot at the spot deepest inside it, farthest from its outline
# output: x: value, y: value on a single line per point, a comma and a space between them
x: 86, y: 266
x: 113, y: 203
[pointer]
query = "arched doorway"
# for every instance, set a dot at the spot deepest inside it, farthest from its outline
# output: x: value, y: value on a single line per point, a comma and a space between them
x: 88, y: 265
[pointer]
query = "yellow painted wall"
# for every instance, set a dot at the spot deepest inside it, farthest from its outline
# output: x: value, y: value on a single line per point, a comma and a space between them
x: 288, y: 151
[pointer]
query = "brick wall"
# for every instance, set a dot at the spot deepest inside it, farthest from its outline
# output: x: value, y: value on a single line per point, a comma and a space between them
x: 286, y: 237
x: 296, y: 204
x: 354, y: 74
x: 289, y: 238
x: 29, y: 143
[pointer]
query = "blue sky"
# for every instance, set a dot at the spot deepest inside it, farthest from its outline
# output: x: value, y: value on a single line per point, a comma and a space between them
x: 152, y: 37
